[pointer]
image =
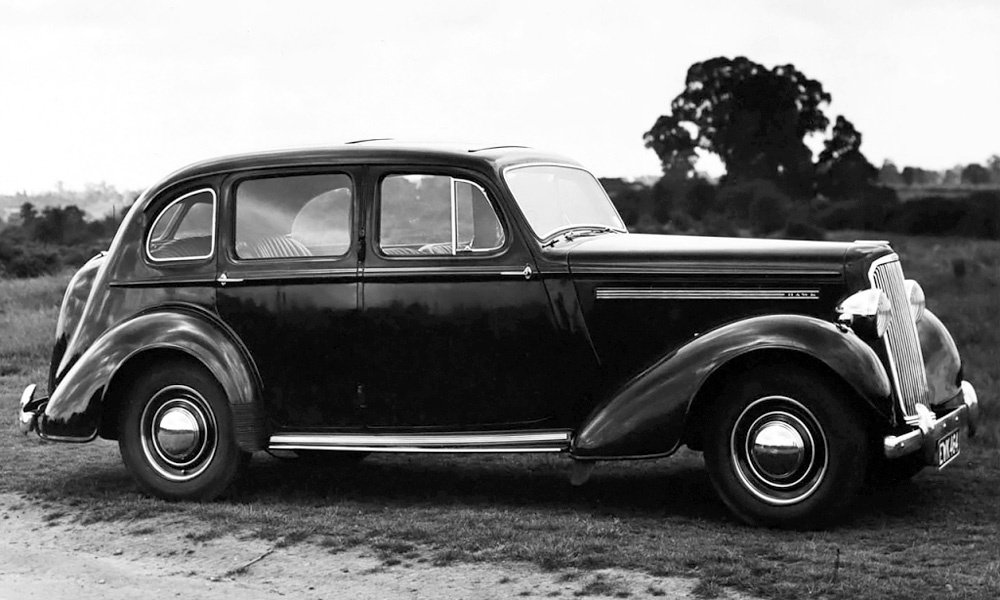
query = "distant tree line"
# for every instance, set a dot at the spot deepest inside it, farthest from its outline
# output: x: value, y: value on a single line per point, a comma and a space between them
x: 973, y: 174
x: 756, y: 120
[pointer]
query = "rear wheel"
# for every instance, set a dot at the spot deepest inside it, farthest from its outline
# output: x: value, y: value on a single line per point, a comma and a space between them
x: 176, y: 433
x: 786, y: 448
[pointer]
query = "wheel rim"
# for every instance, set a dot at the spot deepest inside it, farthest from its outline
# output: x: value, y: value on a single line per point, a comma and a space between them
x: 779, y: 450
x: 179, y: 433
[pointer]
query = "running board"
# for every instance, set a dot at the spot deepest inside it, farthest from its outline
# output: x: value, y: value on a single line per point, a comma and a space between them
x: 536, y: 441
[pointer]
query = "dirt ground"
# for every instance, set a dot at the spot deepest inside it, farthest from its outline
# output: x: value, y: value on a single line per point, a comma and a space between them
x: 46, y: 556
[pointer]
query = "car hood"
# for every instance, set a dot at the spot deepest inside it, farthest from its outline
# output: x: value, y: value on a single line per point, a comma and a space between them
x: 695, y: 254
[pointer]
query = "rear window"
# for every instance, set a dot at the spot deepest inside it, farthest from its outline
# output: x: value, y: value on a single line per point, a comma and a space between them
x: 294, y: 216
x: 184, y: 229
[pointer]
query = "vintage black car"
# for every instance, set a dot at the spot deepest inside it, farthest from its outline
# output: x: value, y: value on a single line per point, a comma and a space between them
x: 375, y: 297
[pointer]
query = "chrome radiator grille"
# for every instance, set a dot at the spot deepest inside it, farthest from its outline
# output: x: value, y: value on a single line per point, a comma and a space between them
x: 901, y: 342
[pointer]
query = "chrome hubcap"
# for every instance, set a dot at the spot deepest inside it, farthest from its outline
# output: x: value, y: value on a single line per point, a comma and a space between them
x: 778, y: 450
x: 179, y: 434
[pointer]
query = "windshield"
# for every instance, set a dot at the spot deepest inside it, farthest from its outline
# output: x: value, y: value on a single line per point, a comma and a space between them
x: 555, y: 198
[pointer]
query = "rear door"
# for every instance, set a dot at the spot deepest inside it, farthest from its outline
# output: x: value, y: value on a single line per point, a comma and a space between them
x: 288, y: 286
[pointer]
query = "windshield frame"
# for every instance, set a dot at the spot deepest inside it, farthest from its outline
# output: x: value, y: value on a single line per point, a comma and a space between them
x: 621, y: 228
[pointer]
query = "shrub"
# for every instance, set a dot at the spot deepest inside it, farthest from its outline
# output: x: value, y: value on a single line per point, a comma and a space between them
x: 977, y: 215
x: 27, y: 259
x: 720, y: 225
x: 800, y: 230
x: 757, y: 204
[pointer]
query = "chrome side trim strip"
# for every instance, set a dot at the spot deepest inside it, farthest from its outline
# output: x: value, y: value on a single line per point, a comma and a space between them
x: 546, y: 441
x: 635, y: 293
x: 421, y: 449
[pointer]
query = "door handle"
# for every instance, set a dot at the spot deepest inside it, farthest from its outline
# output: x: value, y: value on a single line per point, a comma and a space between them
x: 224, y: 279
x: 526, y: 273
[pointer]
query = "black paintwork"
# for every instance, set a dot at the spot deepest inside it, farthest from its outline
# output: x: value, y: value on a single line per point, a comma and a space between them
x: 366, y: 341
x: 647, y: 416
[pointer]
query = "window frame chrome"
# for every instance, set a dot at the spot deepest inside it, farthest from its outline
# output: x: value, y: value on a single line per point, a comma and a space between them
x: 233, y: 202
x: 471, y: 253
x: 163, y: 211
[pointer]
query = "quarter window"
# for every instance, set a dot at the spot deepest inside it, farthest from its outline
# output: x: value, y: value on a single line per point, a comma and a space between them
x: 426, y: 215
x: 294, y: 217
x: 185, y: 229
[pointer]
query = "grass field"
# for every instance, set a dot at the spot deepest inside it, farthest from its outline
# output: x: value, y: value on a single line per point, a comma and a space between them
x: 937, y: 537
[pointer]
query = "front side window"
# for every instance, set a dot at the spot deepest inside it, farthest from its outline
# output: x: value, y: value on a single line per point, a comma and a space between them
x: 423, y: 215
x: 557, y: 198
x: 294, y: 216
x: 184, y: 229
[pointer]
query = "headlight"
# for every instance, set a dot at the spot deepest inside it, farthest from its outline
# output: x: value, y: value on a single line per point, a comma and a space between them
x: 868, y: 309
x: 915, y: 294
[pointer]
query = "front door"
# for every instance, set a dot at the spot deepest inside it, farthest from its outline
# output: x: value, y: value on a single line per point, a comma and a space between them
x: 457, y: 323
x: 288, y: 287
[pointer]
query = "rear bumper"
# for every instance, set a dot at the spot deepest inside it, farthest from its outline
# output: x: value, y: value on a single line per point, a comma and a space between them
x: 30, y: 408
x: 930, y: 429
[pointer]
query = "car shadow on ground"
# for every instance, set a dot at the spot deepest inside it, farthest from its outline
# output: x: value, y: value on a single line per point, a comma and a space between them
x: 676, y: 488
x: 680, y: 488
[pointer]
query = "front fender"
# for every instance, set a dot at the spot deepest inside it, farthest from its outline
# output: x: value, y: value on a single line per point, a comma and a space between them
x: 646, y: 417
x: 941, y: 359
x: 73, y: 412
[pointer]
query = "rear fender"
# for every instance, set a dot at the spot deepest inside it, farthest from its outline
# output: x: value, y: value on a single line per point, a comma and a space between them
x: 647, y: 416
x: 73, y: 412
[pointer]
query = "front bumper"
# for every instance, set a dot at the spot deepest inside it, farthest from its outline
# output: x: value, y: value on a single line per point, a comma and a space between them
x: 930, y: 429
x: 30, y: 409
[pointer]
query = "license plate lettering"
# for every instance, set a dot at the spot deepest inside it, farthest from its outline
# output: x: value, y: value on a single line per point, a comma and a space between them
x: 947, y: 449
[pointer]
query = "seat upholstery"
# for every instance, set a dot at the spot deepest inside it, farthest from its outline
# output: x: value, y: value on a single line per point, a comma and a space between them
x: 279, y: 246
x: 441, y: 249
x: 400, y: 251
x: 191, y: 247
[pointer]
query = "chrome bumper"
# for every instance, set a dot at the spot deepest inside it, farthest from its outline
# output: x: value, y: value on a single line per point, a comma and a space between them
x: 30, y: 409
x: 931, y: 429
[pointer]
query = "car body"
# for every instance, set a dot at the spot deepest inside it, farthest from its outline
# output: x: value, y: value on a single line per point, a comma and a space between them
x: 379, y: 297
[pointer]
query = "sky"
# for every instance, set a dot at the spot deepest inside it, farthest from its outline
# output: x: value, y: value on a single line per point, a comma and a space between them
x: 124, y: 92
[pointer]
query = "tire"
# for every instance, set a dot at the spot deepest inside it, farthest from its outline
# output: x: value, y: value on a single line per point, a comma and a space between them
x: 786, y: 448
x: 176, y: 433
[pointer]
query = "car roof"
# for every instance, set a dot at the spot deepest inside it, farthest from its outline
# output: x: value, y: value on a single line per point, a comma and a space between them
x: 373, y: 151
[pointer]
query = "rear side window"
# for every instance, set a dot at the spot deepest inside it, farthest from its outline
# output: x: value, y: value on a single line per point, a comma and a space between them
x: 436, y: 215
x: 294, y: 217
x: 184, y: 229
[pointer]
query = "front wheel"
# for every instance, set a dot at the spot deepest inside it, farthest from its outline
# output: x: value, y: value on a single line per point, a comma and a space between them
x: 176, y: 433
x: 786, y: 449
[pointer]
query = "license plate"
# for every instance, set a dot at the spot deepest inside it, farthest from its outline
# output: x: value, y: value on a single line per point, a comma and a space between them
x: 947, y: 449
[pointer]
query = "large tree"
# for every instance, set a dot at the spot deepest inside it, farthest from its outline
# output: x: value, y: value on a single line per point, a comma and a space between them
x: 754, y: 118
x: 843, y: 172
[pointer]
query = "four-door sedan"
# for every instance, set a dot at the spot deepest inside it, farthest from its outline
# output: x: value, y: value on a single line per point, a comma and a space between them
x: 384, y: 298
